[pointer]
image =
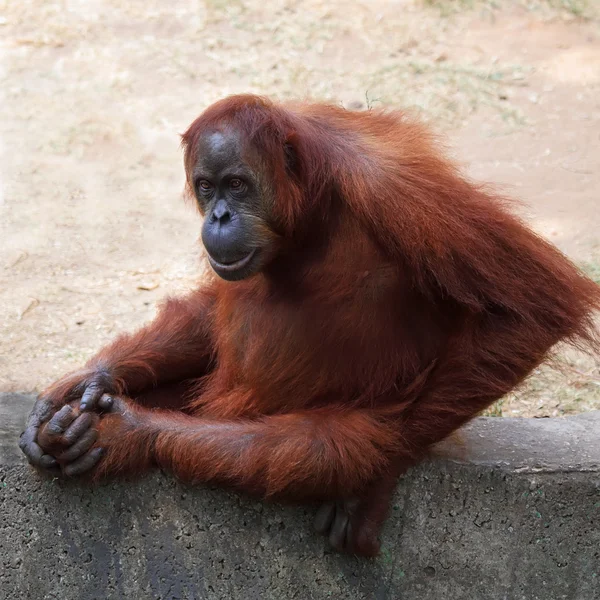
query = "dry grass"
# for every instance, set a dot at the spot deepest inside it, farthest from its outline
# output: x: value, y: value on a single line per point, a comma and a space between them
x: 586, y: 9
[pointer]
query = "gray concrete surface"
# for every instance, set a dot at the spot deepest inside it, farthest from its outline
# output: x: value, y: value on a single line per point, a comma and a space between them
x: 513, y: 513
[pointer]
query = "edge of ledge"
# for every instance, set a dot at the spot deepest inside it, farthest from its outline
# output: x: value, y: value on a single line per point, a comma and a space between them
x: 558, y: 444
x: 561, y: 444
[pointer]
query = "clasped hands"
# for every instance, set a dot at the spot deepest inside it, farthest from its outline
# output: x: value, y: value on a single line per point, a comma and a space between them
x: 63, y: 434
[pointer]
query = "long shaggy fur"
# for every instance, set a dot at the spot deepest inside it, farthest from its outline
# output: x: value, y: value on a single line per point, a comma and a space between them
x: 404, y: 301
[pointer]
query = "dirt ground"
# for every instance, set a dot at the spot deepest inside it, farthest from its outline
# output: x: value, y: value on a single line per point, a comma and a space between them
x: 93, y: 95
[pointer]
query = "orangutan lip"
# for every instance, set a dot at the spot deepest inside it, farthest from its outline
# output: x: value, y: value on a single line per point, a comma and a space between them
x: 234, y: 266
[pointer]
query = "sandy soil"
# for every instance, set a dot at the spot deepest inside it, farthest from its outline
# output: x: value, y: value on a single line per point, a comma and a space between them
x: 93, y: 95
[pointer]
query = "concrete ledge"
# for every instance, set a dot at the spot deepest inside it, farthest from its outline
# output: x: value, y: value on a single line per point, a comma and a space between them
x: 512, y: 514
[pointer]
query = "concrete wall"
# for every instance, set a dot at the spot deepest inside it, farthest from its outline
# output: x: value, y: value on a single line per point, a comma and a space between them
x: 514, y: 513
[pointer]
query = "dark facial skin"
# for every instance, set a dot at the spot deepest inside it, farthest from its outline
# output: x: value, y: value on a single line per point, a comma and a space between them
x: 233, y: 200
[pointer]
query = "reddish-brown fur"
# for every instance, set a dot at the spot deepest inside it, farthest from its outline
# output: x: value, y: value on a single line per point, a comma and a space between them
x: 404, y: 301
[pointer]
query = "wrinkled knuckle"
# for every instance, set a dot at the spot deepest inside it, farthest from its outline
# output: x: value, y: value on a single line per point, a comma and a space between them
x: 102, y: 379
x: 82, y: 422
x: 104, y: 375
x: 53, y: 429
x: 68, y: 439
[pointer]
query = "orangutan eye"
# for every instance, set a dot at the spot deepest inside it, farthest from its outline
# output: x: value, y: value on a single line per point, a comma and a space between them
x: 235, y: 184
x: 204, y: 185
